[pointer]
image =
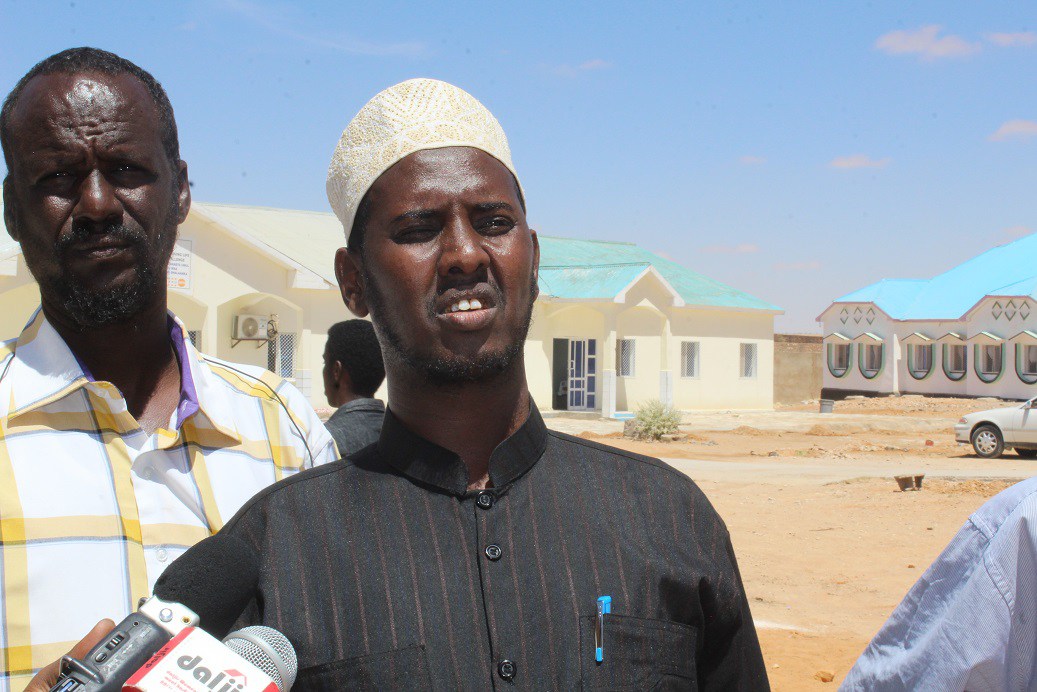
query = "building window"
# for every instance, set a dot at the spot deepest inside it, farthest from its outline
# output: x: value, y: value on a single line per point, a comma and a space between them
x: 748, y: 360
x: 838, y: 359
x: 689, y: 359
x: 1026, y: 362
x: 989, y: 362
x: 195, y: 336
x: 920, y: 360
x: 954, y: 357
x: 625, y: 357
x: 280, y: 355
x: 871, y: 360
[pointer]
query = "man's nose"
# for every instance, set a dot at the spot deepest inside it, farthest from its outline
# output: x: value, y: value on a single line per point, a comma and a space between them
x: 463, y: 251
x: 97, y: 201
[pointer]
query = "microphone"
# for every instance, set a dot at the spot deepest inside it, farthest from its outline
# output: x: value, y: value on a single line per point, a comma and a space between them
x: 210, y: 585
x: 254, y: 659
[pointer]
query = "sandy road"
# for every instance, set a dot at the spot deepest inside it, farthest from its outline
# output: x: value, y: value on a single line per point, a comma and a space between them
x: 826, y: 543
x: 820, y: 471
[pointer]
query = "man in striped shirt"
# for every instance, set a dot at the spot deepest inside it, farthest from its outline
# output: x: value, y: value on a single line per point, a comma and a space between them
x: 475, y: 543
x: 120, y: 444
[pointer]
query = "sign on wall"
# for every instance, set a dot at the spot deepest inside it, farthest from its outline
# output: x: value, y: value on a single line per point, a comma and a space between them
x: 179, y: 275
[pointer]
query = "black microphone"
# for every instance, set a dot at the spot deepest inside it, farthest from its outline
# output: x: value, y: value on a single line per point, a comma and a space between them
x: 208, y: 586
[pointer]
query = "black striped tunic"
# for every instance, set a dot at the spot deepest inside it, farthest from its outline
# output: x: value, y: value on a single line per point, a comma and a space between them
x: 386, y: 573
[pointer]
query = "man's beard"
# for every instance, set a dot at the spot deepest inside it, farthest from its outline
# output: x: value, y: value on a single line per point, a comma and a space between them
x: 452, y: 369
x: 93, y: 308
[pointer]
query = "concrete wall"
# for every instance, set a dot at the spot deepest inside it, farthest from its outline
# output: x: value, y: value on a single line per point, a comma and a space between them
x: 798, y: 367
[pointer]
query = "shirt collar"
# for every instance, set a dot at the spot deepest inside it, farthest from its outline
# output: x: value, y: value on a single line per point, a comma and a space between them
x: 428, y: 463
x: 45, y: 369
x: 362, y: 404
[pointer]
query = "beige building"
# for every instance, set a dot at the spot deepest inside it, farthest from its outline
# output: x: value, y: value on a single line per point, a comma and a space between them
x: 615, y: 325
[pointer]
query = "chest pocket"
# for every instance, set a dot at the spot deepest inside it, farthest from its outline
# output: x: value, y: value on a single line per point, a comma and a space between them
x: 402, y: 669
x: 639, y: 654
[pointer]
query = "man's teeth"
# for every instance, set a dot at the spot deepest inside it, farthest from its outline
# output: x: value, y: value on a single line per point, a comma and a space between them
x: 466, y: 305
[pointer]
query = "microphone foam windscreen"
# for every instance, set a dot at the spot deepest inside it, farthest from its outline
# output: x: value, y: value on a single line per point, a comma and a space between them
x: 216, y: 578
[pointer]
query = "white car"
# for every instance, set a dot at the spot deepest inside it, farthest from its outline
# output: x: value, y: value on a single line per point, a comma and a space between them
x: 990, y: 432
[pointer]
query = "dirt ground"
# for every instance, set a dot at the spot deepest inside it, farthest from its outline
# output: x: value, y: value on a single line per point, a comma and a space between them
x: 825, y: 561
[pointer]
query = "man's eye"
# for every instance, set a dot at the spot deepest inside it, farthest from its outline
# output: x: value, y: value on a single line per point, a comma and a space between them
x: 56, y: 180
x: 128, y: 175
x: 415, y: 235
x: 497, y: 225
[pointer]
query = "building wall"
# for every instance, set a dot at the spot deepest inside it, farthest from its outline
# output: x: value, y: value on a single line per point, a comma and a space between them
x: 798, y: 367
x: 994, y: 315
x: 228, y: 277
x: 719, y: 384
x: 852, y: 321
x: 1005, y: 318
x: 19, y: 297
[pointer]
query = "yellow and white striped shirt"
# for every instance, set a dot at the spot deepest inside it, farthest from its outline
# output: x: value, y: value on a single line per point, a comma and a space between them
x: 92, y: 508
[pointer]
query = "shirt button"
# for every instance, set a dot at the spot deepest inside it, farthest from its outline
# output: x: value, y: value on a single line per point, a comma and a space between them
x: 485, y: 500
x: 161, y: 555
x: 506, y: 669
x: 493, y: 552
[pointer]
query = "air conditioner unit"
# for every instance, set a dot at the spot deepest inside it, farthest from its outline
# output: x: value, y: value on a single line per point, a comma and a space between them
x: 252, y: 327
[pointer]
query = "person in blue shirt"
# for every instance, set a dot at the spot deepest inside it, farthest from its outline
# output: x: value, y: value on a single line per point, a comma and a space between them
x: 970, y: 623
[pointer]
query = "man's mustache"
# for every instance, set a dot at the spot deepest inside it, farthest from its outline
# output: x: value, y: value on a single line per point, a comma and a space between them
x: 81, y: 232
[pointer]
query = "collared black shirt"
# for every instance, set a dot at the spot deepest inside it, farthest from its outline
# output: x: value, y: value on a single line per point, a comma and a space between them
x: 356, y: 424
x: 386, y: 573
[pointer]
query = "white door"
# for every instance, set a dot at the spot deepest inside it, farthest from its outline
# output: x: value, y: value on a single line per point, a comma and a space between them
x: 582, y: 374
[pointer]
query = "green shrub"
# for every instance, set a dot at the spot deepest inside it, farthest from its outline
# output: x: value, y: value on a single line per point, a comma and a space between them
x: 653, y: 419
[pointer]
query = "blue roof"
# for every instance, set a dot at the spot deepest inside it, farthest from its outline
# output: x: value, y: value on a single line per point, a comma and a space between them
x: 1007, y: 270
x: 591, y: 269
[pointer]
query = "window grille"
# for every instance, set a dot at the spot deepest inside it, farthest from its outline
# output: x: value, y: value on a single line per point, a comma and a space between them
x: 872, y: 358
x: 749, y: 360
x: 838, y: 359
x: 990, y: 363
x: 625, y: 357
x: 286, y: 366
x: 689, y: 359
x: 195, y: 335
x: 280, y: 355
x: 1030, y: 360
x: 956, y: 356
x: 921, y: 359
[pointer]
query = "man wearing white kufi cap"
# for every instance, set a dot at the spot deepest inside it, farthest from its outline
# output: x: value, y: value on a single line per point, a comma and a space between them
x: 470, y: 547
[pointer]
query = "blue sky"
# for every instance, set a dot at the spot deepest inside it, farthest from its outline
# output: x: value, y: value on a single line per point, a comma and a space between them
x: 797, y: 151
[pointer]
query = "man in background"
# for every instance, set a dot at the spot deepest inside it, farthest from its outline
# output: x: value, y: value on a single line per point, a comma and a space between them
x: 353, y: 372
x: 120, y: 444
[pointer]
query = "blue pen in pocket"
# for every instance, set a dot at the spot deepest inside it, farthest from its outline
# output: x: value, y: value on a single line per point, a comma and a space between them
x: 604, y: 608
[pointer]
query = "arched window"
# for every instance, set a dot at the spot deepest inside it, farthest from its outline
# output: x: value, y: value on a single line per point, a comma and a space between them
x: 1026, y: 362
x: 839, y: 359
x: 920, y: 360
x: 989, y: 361
x: 870, y: 359
x: 955, y: 357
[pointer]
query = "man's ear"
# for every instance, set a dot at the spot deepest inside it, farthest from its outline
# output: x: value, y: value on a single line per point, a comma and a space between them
x: 183, y: 186
x: 536, y: 264
x: 351, y: 281
x: 12, y: 228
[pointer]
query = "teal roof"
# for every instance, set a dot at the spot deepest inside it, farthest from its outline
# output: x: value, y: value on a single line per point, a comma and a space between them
x: 1007, y: 270
x: 592, y: 269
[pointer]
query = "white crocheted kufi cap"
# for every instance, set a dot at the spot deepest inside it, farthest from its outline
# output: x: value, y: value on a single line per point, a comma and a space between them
x: 411, y: 116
